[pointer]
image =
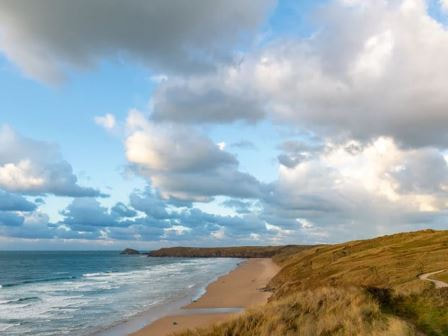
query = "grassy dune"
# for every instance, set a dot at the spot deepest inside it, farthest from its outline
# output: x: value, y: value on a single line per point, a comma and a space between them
x: 367, y: 287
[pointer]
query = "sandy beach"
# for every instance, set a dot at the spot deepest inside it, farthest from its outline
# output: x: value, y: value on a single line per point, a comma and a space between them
x: 241, y: 288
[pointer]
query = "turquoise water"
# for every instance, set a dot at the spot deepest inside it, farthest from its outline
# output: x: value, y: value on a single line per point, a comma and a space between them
x: 79, y: 293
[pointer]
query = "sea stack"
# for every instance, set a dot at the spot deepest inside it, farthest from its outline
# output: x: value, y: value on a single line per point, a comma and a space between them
x: 129, y: 251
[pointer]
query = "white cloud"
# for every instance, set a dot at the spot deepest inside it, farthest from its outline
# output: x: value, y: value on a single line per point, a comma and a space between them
x: 19, y: 176
x: 183, y: 163
x: 377, y: 188
x: 34, y: 167
x: 107, y: 121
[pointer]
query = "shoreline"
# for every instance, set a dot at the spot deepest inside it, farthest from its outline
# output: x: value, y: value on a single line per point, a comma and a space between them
x: 229, y: 295
x: 175, y: 305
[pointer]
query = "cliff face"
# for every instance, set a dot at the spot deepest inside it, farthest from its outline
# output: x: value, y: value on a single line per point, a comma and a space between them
x: 226, y: 252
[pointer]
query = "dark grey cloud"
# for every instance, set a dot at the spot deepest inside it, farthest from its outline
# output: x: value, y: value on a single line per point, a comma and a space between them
x: 150, y: 203
x: 204, y: 225
x: 34, y: 167
x: 294, y: 152
x: 48, y: 37
x: 199, y: 102
x: 86, y: 214
x: 197, y: 223
x: 87, y: 219
x: 121, y: 210
x: 240, y: 206
x: 203, y: 186
x: 13, y: 202
x: 354, y: 79
x: 33, y: 225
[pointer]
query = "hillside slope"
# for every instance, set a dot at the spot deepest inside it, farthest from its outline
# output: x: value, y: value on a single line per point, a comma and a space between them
x: 228, y: 252
x: 367, y: 287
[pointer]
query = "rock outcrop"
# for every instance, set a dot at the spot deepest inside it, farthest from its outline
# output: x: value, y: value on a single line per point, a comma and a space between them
x: 129, y: 251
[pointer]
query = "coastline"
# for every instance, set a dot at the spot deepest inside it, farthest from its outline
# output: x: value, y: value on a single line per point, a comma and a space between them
x: 224, y: 298
x: 171, y: 306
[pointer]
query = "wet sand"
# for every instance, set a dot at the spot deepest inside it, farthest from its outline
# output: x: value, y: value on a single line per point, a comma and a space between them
x: 241, y: 288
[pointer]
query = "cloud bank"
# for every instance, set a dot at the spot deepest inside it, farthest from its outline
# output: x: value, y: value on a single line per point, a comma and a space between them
x: 48, y: 38
x: 372, y: 69
x: 367, y: 86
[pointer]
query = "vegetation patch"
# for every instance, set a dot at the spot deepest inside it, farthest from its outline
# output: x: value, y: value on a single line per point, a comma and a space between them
x: 443, y: 276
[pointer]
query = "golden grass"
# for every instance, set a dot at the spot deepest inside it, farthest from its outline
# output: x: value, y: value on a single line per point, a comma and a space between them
x: 326, y: 311
x: 366, y: 287
x: 441, y: 276
x: 391, y: 261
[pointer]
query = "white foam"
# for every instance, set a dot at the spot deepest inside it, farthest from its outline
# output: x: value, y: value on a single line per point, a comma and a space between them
x: 88, y: 275
x: 6, y: 326
x: 103, y: 298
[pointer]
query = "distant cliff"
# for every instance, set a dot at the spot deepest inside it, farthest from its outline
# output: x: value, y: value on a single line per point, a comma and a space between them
x: 227, y: 252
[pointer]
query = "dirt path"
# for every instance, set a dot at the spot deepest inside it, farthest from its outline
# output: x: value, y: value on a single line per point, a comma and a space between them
x: 438, y: 283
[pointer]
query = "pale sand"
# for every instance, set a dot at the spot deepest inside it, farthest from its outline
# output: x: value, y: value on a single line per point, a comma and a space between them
x: 240, y: 288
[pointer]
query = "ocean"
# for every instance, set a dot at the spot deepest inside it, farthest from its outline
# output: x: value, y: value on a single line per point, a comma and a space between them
x: 82, y: 293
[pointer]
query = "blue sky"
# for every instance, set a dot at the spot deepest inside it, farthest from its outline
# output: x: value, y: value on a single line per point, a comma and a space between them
x: 229, y: 123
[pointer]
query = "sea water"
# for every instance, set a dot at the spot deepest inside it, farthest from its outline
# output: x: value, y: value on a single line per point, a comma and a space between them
x: 80, y: 293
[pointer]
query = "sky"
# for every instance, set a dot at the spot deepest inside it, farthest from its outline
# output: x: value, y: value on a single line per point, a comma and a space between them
x: 214, y: 123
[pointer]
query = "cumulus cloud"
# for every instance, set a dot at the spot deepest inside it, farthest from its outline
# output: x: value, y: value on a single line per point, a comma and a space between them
x: 121, y: 210
x: 34, y: 167
x: 373, y: 68
x: 205, y: 99
x: 240, y: 206
x: 153, y: 219
x: 379, y: 188
x: 150, y: 202
x: 184, y: 164
x: 13, y: 202
x: 368, y: 85
x: 86, y: 214
x: 148, y: 217
x: 45, y: 39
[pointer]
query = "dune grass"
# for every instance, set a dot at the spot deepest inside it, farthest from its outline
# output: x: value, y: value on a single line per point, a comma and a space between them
x: 367, y: 287
x: 325, y: 311
x: 443, y: 276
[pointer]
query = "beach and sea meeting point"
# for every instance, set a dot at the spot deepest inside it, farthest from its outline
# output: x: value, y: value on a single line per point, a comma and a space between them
x: 224, y: 168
